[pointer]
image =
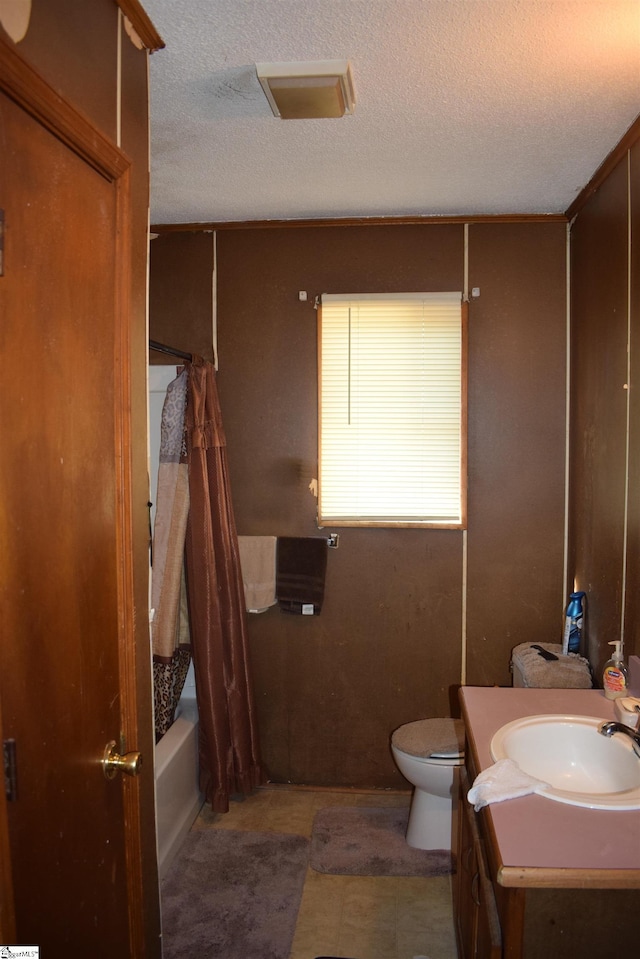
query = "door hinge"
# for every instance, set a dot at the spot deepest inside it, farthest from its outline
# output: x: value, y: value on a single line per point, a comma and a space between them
x: 10, y: 769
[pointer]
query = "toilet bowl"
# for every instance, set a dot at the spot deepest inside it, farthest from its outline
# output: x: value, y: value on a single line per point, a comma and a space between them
x: 429, y: 753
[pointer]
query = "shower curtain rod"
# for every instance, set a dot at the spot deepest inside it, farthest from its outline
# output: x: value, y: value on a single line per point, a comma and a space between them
x: 161, y: 348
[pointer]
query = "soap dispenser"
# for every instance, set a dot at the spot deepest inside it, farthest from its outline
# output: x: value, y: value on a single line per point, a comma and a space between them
x: 614, y: 677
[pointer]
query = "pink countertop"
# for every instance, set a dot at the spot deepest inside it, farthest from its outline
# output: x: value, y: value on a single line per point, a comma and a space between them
x: 536, y: 841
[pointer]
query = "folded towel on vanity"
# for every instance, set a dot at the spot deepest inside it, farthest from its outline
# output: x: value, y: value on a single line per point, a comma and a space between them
x: 258, y: 563
x: 300, y: 572
x: 503, y: 780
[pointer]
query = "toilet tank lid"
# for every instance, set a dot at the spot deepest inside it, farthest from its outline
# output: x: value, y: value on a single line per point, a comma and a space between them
x: 442, y: 738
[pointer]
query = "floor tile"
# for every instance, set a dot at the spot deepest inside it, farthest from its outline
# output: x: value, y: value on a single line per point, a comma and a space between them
x: 360, y: 917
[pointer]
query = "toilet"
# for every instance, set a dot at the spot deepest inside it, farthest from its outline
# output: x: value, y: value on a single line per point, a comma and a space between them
x: 429, y: 753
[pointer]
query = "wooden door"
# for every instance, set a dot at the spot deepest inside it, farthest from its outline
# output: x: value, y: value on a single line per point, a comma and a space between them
x: 67, y: 666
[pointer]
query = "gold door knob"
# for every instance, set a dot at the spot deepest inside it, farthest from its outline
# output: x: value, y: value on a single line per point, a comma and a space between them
x: 113, y: 762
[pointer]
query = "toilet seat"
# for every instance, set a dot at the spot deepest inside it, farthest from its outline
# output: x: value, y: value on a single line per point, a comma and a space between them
x: 431, y: 740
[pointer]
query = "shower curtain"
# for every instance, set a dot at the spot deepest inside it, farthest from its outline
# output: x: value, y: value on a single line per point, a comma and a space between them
x: 169, y: 626
x: 229, y: 754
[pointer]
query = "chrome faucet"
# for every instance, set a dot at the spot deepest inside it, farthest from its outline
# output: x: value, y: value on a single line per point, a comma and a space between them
x: 608, y: 729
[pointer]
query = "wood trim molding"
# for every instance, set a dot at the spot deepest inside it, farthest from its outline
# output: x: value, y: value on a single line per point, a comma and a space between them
x: 24, y: 85
x: 141, y: 23
x: 628, y: 140
x: 356, y: 221
x: 125, y: 570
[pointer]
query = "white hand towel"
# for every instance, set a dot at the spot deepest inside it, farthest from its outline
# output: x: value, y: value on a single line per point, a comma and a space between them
x: 258, y: 562
x: 503, y: 780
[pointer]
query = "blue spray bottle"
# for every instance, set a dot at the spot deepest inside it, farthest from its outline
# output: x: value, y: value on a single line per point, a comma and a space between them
x: 573, y: 624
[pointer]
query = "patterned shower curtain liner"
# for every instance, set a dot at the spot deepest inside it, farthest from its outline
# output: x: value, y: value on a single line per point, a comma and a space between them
x: 169, y: 626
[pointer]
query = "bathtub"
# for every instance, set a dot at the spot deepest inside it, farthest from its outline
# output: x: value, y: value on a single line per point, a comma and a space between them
x: 178, y: 798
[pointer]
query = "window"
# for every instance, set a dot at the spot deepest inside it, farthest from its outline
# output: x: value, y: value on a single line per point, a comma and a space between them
x: 392, y: 410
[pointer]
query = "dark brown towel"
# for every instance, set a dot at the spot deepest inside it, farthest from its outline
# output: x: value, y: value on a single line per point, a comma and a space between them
x: 301, y: 563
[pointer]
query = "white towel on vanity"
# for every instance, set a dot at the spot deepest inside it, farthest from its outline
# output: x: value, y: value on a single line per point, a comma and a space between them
x: 503, y: 780
x: 258, y: 562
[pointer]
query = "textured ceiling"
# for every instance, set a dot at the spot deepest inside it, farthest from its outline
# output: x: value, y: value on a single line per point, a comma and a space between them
x: 463, y: 106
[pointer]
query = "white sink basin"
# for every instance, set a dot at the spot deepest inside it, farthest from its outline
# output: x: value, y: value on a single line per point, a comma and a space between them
x: 581, y: 766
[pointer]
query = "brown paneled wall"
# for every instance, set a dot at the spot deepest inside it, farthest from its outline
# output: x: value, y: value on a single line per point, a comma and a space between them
x: 632, y: 597
x: 181, y: 313
x: 604, y: 537
x: 389, y: 644
x: 77, y: 55
x: 517, y: 379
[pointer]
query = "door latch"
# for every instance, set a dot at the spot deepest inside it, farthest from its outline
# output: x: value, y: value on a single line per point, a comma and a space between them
x: 10, y: 769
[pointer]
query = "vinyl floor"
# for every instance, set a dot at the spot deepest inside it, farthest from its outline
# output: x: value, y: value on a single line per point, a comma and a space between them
x: 358, y: 917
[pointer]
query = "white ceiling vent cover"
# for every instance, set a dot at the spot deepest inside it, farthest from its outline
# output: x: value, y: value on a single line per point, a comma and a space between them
x: 308, y: 90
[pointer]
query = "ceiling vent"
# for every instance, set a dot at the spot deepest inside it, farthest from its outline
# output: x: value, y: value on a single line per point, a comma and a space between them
x: 308, y: 90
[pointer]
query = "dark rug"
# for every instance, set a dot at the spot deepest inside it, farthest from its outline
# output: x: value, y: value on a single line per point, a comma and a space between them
x: 233, y: 895
x: 363, y: 841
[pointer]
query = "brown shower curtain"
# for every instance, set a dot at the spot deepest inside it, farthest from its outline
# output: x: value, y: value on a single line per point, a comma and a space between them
x: 229, y: 751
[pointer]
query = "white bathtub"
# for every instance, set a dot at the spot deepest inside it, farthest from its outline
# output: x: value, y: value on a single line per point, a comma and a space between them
x: 178, y: 798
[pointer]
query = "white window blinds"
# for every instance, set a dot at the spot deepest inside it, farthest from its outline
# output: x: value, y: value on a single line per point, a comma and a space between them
x: 392, y: 409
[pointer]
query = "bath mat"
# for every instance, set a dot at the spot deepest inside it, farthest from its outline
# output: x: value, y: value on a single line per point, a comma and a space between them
x: 365, y: 841
x: 233, y: 895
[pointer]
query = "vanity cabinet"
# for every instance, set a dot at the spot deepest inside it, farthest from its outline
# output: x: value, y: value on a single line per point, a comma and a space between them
x: 537, y: 879
x: 477, y: 924
x: 493, y: 921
